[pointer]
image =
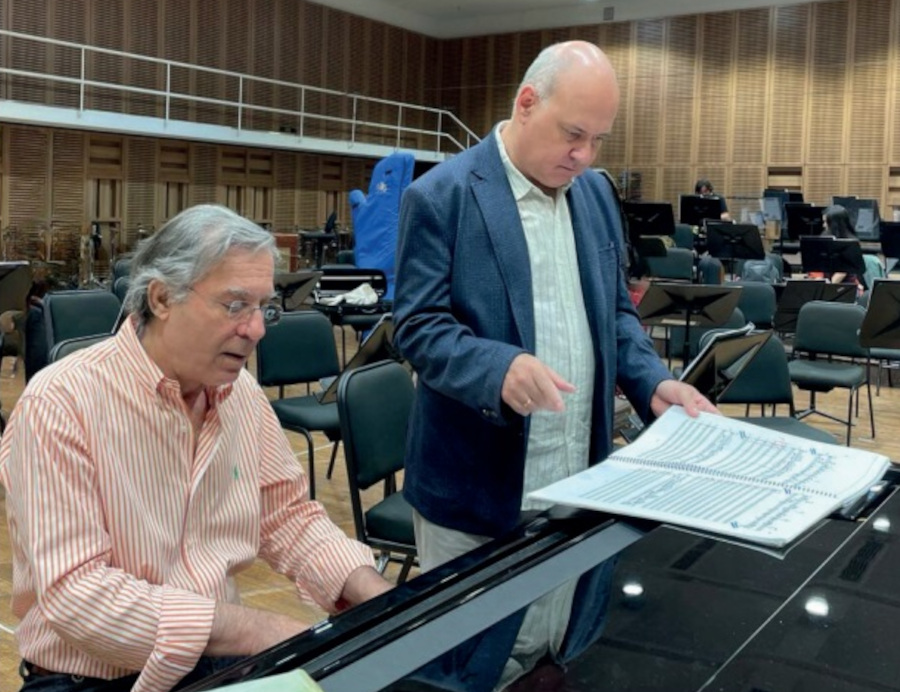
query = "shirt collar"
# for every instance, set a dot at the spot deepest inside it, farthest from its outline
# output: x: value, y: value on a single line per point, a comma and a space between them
x: 521, y: 186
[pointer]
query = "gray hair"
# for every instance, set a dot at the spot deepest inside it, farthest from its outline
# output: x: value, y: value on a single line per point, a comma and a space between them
x: 187, y: 248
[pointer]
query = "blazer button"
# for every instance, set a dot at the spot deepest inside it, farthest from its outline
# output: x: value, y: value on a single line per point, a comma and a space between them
x: 487, y: 413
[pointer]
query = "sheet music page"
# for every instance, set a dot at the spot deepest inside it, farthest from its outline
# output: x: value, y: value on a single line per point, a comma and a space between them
x: 725, y: 476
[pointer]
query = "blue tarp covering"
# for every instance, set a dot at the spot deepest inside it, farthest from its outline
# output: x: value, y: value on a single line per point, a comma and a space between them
x: 375, y: 217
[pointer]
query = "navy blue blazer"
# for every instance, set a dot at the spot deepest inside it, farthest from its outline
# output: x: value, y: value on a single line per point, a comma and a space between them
x: 463, y: 310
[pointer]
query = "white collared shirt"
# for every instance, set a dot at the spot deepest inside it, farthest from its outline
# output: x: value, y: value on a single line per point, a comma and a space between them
x: 558, y: 443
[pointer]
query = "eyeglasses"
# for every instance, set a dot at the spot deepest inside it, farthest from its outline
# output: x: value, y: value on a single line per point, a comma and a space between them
x: 241, y: 312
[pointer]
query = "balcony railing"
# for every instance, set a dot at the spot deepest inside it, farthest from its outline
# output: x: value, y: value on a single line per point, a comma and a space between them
x: 62, y: 74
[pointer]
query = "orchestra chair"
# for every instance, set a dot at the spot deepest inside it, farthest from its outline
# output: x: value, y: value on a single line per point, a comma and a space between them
x: 68, y: 346
x: 300, y: 349
x: 70, y: 314
x: 677, y: 265
x: 757, y: 301
x: 828, y: 336
x: 374, y: 403
x: 766, y: 381
x: 120, y: 287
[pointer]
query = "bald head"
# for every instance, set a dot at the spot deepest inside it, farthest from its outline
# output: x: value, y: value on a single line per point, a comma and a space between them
x: 564, y: 109
x: 558, y: 58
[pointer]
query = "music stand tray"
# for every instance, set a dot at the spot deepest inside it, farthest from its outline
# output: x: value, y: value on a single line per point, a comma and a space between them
x: 379, y: 345
x: 674, y: 304
x: 296, y: 286
x: 723, y: 358
x: 881, y: 325
x: 797, y: 292
x: 829, y: 255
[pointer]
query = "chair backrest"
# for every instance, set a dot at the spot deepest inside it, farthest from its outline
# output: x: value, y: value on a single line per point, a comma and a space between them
x: 120, y: 287
x: 757, y: 301
x: 684, y: 236
x: 677, y: 264
x: 830, y: 328
x: 69, y: 346
x: 374, y: 405
x: 69, y: 314
x: 874, y: 270
x: 300, y: 348
x: 121, y: 268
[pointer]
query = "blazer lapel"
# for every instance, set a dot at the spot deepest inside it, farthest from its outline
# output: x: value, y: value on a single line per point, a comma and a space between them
x: 504, y: 228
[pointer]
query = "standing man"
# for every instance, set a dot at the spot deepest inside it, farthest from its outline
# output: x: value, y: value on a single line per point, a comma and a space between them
x: 511, y: 305
x: 143, y: 473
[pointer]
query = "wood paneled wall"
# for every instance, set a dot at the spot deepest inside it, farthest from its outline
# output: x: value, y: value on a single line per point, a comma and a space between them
x: 803, y: 96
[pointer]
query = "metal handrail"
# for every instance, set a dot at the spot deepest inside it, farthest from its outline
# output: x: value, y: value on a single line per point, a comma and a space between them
x: 444, y: 118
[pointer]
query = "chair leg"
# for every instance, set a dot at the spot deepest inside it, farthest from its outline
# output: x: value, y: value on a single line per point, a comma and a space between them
x: 404, y: 570
x: 871, y: 410
x: 334, y: 449
x: 849, y: 416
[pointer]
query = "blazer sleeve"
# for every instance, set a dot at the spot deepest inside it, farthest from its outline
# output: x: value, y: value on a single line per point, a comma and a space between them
x: 451, y: 317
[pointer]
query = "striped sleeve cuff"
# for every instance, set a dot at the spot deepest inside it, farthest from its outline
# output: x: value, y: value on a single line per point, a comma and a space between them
x: 185, y: 625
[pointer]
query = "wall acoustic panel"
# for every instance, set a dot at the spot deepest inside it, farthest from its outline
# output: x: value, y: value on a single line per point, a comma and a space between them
x: 825, y: 127
x: 869, y: 74
x: 717, y: 40
x: 285, y: 207
x: 178, y: 44
x: 751, y: 104
x: 788, y: 85
x: 140, y: 189
x: 68, y: 23
x: 203, y: 187
x: 142, y: 38
x: 646, y: 97
x: 680, y: 77
x: 616, y: 41
x: 67, y: 202
x: 29, y: 187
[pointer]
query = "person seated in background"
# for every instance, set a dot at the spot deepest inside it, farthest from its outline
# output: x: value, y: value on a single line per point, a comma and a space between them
x: 836, y: 223
x: 142, y: 474
x: 704, y: 188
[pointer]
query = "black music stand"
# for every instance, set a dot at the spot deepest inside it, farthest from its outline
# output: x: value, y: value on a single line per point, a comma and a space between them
x: 803, y: 219
x: 796, y: 293
x: 648, y: 223
x: 890, y: 243
x: 673, y: 304
x: 829, y: 255
x: 733, y: 241
x: 723, y: 358
x: 881, y: 325
x: 296, y: 286
x: 15, y: 281
x: 695, y: 209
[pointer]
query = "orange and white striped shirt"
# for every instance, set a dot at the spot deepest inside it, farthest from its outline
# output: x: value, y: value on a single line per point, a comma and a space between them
x: 125, y: 534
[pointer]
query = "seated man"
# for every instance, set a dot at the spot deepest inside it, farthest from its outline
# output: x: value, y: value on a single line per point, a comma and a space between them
x: 704, y: 188
x: 143, y: 473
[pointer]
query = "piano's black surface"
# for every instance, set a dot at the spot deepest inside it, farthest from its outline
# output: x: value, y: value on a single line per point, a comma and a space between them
x: 687, y: 613
x: 716, y: 617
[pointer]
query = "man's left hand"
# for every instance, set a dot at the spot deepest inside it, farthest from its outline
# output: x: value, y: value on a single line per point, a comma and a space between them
x: 672, y: 392
x: 362, y: 584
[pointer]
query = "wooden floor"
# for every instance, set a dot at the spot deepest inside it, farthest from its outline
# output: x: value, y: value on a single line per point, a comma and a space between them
x: 262, y: 589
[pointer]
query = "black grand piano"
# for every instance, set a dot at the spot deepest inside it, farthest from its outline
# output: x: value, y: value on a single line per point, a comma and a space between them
x: 686, y: 613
